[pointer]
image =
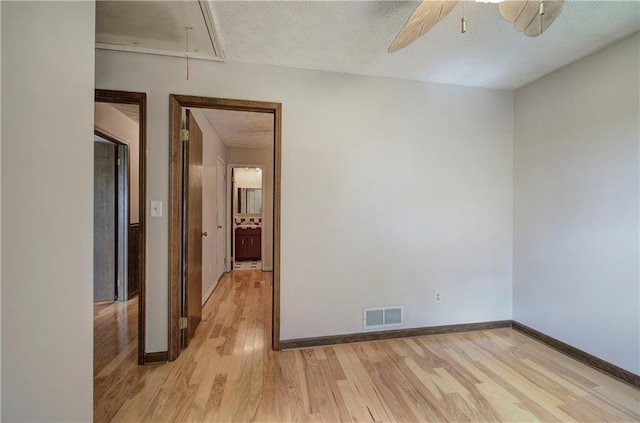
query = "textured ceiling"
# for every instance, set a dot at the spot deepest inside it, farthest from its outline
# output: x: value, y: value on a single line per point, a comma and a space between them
x: 242, y: 129
x: 353, y: 37
x: 129, y: 110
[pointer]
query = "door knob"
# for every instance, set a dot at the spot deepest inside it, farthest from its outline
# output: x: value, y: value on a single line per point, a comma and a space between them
x: 219, y: 227
x: 204, y: 234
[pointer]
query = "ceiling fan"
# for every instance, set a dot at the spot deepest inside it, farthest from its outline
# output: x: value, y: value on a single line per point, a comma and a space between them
x: 532, y: 17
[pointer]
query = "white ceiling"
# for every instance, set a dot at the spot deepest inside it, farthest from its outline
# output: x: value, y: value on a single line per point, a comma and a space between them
x: 353, y: 37
x: 132, y: 111
x: 242, y: 129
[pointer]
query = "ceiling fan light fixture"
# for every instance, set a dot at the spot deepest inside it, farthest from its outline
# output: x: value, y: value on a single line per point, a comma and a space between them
x: 521, y: 13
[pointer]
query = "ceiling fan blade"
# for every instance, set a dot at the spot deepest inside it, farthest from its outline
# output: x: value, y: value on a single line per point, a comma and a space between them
x: 425, y: 17
x: 527, y: 16
x: 524, y: 14
x: 511, y: 9
x: 552, y: 9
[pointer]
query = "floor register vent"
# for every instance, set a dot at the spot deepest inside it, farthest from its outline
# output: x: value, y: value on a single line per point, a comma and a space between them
x: 383, y: 317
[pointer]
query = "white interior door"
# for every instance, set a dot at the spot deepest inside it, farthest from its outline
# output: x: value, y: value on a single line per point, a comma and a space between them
x: 221, y: 207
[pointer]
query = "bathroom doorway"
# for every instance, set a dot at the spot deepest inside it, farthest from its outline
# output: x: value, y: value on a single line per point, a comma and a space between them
x: 247, y: 193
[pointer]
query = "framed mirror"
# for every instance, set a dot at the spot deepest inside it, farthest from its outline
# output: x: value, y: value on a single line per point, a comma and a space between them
x: 249, y: 201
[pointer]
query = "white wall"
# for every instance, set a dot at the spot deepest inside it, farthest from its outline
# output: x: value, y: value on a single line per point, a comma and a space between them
x: 577, y: 205
x: 0, y: 220
x: 116, y: 124
x: 249, y: 178
x: 212, y: 148
x: 264, y: 157
x: 354, y: 145
x: 47, y: 204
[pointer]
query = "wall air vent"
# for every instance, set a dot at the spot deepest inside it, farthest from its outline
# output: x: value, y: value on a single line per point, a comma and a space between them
x: 382, y: 317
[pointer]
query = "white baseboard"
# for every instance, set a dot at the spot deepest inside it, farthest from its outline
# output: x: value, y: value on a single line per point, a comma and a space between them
x: 209, y: 292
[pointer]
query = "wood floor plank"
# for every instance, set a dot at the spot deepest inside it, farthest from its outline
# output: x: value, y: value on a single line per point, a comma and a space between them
x: 230, y: 374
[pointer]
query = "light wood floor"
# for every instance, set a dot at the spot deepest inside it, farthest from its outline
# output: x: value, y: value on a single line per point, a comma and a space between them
x: 229, y: 374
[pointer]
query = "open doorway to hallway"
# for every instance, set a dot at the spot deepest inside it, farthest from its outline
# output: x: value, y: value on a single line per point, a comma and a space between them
x: 227, y: 209
x: 119, y: 233
x: 233, y: 126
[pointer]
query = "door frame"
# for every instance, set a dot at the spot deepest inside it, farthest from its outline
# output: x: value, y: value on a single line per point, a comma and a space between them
x: 127, y: 97
x: 176, y: 104
x: 225, y: 229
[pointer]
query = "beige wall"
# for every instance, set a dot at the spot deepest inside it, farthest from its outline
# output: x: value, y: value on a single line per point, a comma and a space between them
x: 264, y: 157
x: 353, y: 145
x: 47, y: 211
x: 0, y: 218
x: 212, y: 148
x: 111, y: 121
x: 576, y: 249
x: 248, y: 178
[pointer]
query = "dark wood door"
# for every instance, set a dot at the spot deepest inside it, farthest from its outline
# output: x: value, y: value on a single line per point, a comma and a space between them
x: 192, y: 291
x: 133, y: 265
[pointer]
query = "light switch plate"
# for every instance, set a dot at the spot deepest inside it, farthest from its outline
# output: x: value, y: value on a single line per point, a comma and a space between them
x: 156, y: 209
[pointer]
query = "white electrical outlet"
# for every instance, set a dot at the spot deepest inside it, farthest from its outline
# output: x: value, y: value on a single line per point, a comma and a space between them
x: 437, y: 297
x: 156, y: 209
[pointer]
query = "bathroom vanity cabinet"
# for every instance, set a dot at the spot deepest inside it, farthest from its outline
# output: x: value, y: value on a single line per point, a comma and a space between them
x: 248, y: 244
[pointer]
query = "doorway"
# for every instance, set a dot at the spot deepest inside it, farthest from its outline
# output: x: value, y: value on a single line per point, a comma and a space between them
x: 177, y: 105
x: 120, y: 117
x: 248, y: 223
x: 110, y: 220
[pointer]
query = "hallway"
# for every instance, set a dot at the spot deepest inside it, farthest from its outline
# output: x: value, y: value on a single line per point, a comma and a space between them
x: 229, y: 344
x: 229, y: 374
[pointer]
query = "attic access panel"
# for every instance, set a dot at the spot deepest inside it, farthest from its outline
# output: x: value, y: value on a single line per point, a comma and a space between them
x: 158, y: 27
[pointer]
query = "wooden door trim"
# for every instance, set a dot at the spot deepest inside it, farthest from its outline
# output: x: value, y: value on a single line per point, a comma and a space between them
x: 127, y: 97
x: 176, y: 103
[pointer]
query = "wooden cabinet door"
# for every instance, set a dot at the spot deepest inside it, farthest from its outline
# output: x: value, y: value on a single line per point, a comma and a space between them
x: 248, y: 244
x: 253, y: 250
x: 241, y: 246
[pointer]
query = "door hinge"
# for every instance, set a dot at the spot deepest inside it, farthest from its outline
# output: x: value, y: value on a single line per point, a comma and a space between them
x: 184, y: 135
x: 183, y: 323
x: 118, y: 161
